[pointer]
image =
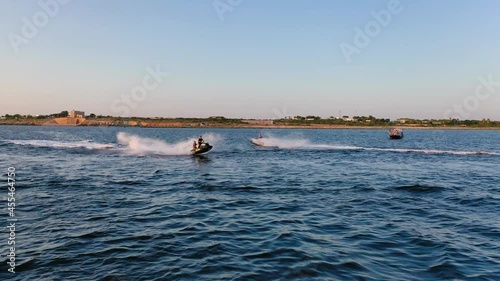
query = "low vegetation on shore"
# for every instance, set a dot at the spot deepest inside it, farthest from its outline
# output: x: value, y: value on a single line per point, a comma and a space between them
x: 219, y: 121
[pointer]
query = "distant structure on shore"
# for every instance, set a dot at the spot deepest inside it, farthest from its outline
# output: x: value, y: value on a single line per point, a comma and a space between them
x: 74, y: 118
x: 77, y: 114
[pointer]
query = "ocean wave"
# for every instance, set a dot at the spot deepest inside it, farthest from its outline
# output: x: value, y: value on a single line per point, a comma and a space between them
x: 418, y: 188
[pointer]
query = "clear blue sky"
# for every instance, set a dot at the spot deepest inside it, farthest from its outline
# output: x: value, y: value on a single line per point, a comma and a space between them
x: 264, y: 59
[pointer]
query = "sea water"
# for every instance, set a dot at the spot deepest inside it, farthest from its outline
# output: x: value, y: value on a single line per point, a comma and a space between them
x: 114, y: 203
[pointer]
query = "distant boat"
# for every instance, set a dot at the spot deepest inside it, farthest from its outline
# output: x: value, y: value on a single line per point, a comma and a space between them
x: 396, y: 134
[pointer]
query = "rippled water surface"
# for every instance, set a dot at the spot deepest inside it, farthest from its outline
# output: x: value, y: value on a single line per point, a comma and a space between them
x: 132, y: 204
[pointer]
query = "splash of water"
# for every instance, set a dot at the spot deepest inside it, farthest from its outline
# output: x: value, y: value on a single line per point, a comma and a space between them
x: 281, y: 143
x: 295, y: 143
x: 138, y: 145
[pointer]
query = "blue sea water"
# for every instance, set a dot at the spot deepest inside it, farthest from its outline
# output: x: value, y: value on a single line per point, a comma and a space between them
x: 132, y: 204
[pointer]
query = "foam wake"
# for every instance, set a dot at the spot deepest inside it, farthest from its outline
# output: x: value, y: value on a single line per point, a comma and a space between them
x: 138, y: 145
x: 87, y: 144
x: 433, y: 151
x: 300, y: 143
x: 281, y: 143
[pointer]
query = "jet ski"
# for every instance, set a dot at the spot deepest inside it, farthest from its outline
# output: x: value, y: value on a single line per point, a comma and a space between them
x: 204, y: 147
x: 257, y: 142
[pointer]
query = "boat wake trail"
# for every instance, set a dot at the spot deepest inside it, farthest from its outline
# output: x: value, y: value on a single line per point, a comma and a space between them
x: 138, y: 145
x: 287, y: 143
x: 281, y: 143
x: 433, y: 151
x: 290, y: 143
x: 87, y: 144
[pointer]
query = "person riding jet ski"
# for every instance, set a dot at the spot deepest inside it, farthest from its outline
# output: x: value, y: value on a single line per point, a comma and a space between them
x: 200, y: 141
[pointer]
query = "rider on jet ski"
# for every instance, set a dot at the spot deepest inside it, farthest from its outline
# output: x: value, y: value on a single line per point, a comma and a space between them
x: 200, y: 141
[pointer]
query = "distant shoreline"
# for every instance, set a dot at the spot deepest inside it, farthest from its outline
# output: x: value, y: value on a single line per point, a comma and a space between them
x: 298, y: 122
x: 243, y: 126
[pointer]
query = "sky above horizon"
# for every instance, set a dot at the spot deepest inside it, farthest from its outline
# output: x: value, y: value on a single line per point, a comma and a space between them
x: 252, y: 58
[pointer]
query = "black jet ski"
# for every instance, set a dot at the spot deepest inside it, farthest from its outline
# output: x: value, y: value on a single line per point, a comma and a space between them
x: 204, y: 147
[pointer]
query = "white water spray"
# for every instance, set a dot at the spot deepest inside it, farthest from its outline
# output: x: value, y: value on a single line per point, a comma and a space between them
x: 87, y: 144
x: 146, y: 146
x: 295, y: 143
x: 300, y: 143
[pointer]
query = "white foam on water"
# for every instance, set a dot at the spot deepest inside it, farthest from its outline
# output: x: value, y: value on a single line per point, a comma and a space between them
x: 88, y: 144
x: 433, y: 151
x: 301, y: 143
x: 281, y: 142
x: 138, y: 145
x: 297, y: 143
x: 334, y: 147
